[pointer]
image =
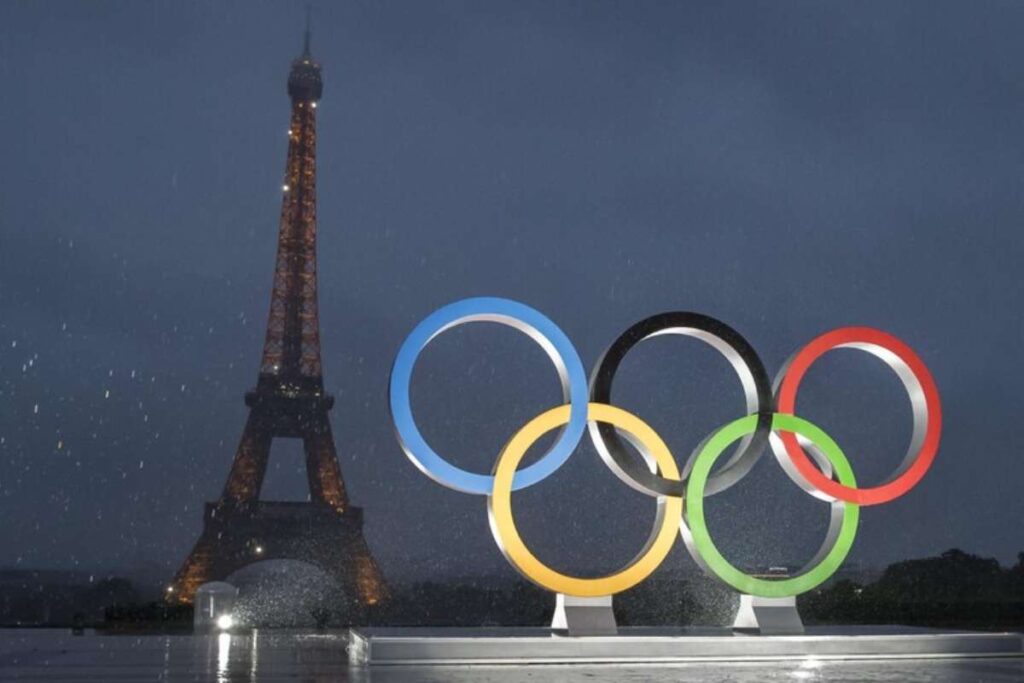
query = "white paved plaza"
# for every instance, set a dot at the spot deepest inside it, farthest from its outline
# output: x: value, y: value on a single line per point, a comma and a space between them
x: 56, y: 655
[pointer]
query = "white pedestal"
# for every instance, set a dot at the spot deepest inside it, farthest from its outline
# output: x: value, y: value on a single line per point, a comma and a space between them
x: 584, y: 616
x: 768, y: 616
x: 635, y: 645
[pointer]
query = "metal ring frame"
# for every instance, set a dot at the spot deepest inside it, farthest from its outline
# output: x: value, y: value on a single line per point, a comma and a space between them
x: 842, y: 522
x: 744, y: 360
x: 924, y: 402
x: 517, y: 316
x: 503, y: 528
x: 807, y: 454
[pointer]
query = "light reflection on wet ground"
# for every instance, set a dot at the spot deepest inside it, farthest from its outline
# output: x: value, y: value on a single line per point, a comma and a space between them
x: 55, y: 655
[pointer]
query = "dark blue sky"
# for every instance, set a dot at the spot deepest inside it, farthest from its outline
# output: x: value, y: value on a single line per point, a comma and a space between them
x: 786, y: 167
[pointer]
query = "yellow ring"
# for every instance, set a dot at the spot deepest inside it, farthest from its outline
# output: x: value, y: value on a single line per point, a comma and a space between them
x: 503, y: 526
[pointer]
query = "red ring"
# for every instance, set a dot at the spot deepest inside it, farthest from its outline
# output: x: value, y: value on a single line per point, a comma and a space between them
x: 787, y: 404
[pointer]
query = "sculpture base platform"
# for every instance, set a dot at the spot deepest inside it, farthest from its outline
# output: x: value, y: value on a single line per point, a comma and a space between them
x: 519, y: 646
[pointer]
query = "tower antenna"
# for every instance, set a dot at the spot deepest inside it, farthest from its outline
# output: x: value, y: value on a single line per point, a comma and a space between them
x: 305, y: 47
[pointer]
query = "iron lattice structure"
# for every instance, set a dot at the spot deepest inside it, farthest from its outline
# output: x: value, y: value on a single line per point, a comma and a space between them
x: 289, y: 401
x: 292, y: 349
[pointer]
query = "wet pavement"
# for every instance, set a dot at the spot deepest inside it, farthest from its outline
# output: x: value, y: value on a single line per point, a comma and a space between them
x: 56, y: 655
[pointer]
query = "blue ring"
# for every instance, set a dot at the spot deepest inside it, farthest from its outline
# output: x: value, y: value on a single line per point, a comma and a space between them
x: 519, y: 316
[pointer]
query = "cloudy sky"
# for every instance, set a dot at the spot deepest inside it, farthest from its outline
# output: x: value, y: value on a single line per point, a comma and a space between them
x: 785, y: 167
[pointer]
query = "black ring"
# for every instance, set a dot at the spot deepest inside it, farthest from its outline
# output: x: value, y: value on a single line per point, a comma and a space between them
x: 743, y: 358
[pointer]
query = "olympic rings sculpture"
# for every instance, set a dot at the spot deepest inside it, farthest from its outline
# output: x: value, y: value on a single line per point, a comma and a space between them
x: 806, y: 453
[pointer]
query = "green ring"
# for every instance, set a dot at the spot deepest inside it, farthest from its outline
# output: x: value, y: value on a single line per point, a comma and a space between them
x: 701, y: 539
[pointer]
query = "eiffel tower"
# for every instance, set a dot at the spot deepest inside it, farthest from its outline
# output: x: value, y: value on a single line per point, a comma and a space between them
x: 289, y: 401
